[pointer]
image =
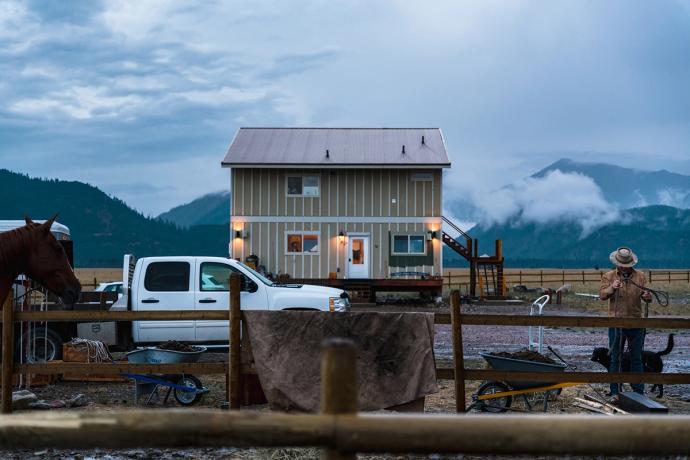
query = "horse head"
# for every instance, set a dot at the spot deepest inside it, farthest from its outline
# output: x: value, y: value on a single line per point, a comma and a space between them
x: 47, y: 262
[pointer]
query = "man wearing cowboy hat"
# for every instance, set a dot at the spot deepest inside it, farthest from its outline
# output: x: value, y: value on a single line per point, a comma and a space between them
x: 623, y: 287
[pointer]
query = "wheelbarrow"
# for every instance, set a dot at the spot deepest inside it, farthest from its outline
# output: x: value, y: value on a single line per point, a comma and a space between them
x: 497, y: 396
x: 186, y: 388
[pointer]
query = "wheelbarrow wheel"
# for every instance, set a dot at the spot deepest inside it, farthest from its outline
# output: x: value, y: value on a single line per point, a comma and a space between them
x: 494, y: 405
x: 187, y: 398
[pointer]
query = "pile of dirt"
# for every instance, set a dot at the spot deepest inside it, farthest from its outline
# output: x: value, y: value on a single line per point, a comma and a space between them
x: 525, y: 355
x: 174, y: 345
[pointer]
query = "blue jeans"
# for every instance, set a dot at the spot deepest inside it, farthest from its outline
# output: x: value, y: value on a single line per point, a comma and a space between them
x: 635, y: 340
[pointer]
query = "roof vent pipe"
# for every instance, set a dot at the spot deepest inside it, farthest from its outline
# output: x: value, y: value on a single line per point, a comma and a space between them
x: 403, y: 150
x: 327, y: 154
x: 422, y: 140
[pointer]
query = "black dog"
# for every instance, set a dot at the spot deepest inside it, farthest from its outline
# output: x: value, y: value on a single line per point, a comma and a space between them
x: 651, y: 361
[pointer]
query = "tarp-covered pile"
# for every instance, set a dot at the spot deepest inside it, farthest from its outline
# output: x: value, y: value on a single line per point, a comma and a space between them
x: 395, y: 355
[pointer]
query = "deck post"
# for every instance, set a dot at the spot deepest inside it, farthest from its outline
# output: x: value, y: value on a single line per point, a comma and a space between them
x: 458, y: 358
x: 338, y: 387
x: 7, y: 354
x: 234, y: 348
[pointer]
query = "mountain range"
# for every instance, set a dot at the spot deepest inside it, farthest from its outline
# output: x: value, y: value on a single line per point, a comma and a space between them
x: 629, y: 188
x: 104, y: 228
x: 659, y: 235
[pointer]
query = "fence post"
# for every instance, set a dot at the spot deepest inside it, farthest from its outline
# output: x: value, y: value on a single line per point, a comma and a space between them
x: 7, y: 353
x: 235, y: 357
x: 650, y: 277
x: 338, y: 387
x: 541, y: 277
x: 458, y: 358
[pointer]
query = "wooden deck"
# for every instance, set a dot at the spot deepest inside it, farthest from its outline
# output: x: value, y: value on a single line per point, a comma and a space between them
x: 366, y: 288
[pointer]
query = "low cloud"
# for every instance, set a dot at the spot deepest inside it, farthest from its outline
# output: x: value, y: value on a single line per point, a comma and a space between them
x: 678, y: 198
x: 557, y: 196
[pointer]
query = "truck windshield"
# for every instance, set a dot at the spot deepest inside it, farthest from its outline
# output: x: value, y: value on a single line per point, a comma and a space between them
x: 263, y: 279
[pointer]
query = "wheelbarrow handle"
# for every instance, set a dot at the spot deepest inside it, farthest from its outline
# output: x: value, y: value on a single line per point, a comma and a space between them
x: 562, y: 360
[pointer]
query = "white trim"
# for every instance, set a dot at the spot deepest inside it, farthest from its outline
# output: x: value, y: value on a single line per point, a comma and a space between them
x: 336, y: 219
x: 303, y: 233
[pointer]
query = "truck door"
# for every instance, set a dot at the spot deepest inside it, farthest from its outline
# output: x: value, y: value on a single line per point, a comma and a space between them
x: 213, y: 294
x: 166, y: 285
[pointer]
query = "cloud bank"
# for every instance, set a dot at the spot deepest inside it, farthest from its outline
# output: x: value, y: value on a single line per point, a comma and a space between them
x: 557, y: 196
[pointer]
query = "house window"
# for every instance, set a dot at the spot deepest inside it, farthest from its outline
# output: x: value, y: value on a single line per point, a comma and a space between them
x: 303, y: 185
x: 409, y: 245
x: 302, y: 243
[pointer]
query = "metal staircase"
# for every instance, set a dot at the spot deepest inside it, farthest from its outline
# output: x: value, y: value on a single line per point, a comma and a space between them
x: 464, y: 250
x: 487, y: 271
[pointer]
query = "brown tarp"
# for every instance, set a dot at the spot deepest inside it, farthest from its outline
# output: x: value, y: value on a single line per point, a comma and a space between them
x: 395, y: 355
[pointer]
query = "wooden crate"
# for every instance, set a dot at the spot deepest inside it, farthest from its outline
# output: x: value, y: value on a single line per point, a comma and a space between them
x: 80, y: 354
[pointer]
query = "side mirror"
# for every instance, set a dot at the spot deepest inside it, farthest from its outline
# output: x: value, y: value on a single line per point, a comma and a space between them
x: 248, y: 285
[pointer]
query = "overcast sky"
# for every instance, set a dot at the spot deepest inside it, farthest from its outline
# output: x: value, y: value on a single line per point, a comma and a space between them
x: 141, y: 98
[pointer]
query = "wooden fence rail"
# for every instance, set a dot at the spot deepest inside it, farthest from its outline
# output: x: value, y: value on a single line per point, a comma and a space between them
x: 462, y: 374
x: 457, y: 278
x: 230, y: 369
x: 337, y: 429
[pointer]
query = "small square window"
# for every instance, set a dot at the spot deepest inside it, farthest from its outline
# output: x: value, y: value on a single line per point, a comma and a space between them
x: 416, y: 244
x: 400, y: 244
x: 311, y: 186
x: 294, y: 243
x: 311, y: 243
x: 294, y: 185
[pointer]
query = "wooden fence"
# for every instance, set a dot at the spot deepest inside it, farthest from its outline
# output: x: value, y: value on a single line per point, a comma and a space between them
x: 460, y: 278
x: 338, y: 429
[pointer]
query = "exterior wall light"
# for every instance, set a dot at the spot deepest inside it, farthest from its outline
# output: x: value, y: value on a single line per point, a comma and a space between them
x: 341, y: 237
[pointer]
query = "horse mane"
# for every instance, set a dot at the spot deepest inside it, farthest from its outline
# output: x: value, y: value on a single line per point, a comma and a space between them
x: 11, y: 245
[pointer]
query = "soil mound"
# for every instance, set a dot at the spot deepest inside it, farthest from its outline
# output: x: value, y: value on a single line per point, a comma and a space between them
x: 526, y: 355
x: 174, y: 345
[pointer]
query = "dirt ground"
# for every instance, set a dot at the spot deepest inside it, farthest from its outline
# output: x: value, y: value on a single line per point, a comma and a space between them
x: 575, y: 345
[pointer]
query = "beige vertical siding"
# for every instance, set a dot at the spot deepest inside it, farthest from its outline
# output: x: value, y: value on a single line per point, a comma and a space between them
x: 342, y: 194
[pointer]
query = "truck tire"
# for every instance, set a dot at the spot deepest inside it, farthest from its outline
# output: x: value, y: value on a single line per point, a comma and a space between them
x: 48, y: 346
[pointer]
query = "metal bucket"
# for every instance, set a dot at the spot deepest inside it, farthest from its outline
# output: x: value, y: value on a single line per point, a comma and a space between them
x: 158, y: 356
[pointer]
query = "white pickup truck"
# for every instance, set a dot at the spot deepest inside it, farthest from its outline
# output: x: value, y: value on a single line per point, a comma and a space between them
x: 201, y: 283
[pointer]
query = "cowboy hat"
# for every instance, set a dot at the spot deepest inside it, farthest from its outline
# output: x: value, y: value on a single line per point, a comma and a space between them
x: 623, y: 257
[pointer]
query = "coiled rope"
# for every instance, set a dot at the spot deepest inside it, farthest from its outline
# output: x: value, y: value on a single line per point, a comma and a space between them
x: 96, y: 351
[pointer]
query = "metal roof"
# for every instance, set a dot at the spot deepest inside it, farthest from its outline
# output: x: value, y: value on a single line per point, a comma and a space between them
x: 337, y: 147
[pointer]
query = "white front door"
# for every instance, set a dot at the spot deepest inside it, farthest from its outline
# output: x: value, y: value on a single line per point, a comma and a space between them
x: 358, y: 256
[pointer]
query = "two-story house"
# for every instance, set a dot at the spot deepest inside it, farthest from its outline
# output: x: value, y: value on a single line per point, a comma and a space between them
x: 338, y: 202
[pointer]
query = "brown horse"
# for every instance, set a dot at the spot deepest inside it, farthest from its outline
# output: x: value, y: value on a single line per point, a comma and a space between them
x: 34, y: 251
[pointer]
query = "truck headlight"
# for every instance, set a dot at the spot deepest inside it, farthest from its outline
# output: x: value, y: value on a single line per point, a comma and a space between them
x: 338, y: 304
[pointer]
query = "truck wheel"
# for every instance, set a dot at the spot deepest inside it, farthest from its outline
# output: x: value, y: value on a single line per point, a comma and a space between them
x: 46, y: 345
x: 187, y: 398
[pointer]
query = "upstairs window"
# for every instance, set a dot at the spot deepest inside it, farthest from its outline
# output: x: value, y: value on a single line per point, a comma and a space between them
x: 305, y: 185
x: 404, y: 245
